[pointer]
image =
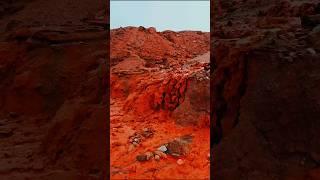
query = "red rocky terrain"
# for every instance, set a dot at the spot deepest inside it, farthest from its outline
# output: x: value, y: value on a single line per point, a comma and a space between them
x: 160, y: 102
x: 264, y: 93
x: 265, y: 89
x: 53, y: 86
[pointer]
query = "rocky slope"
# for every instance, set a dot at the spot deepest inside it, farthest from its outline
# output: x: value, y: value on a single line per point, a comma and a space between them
x: 53, y: 83
x: 157, y: 48
x: 159, y: 81
x: 264, y: 93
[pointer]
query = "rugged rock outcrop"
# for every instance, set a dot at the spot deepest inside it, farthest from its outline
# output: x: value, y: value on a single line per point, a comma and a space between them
x: 264, y: 99
x: 163, y: 85
x: 53, y: 90
x: 195, y: 108
x: 157, y: 48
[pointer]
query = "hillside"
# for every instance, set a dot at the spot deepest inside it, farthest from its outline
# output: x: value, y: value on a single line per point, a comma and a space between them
x: 159, y: 85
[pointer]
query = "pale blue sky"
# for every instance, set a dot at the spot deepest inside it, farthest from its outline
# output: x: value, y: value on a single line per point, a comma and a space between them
x: 164, y: 15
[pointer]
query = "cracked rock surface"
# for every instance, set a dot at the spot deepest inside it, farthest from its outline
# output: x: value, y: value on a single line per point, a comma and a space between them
x: 264, y: 99
x: 53, y: 89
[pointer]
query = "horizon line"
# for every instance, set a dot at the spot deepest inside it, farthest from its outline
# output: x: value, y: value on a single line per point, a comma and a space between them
x: 157, y: 30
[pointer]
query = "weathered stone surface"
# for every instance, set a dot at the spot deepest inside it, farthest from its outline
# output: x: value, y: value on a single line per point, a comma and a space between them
x: 196, y: 104
x: 180, y: 146
x: 53, y: 97
x: 264, y: 99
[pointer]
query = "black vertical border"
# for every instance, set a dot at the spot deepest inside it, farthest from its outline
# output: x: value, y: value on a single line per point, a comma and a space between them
x: 211, y: 87
x: 107, y: 160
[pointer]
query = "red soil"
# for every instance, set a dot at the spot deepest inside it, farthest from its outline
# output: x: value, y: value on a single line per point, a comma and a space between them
x: 150, y: 76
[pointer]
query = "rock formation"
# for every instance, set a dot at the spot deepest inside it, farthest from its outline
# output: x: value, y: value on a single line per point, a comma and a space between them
x: 264, y: 93
x: 159, y: 81
x: 53, y: 90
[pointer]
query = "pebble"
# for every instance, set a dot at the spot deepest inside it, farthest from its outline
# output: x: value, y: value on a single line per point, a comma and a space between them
x: 162, y: 148
x: 157, y: 157
x: 180, y: 161
x: 178, y: 147
x: 149, y: 155
x: 175, y: 154
x: 135, y: 143
x: 142, y: 158
x: 161, y: 154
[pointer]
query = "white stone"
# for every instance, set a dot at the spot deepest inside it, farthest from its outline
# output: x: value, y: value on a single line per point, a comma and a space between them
x: 162, y: 148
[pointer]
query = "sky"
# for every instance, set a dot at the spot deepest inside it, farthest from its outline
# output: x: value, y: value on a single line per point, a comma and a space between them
x: 163, y: 15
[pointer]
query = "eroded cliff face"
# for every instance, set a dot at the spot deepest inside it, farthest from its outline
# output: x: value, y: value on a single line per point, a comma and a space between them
x: 159, y: 81
x: 264, y: 99
x: 53, y: 91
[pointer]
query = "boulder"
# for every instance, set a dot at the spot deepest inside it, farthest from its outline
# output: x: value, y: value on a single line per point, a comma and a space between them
x: 195, y: 109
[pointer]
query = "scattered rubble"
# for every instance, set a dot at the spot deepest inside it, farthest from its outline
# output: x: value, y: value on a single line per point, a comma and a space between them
x: 161, y: 154
x: 176, y: 148
x: 138, y: 137
x: 157, y: 155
